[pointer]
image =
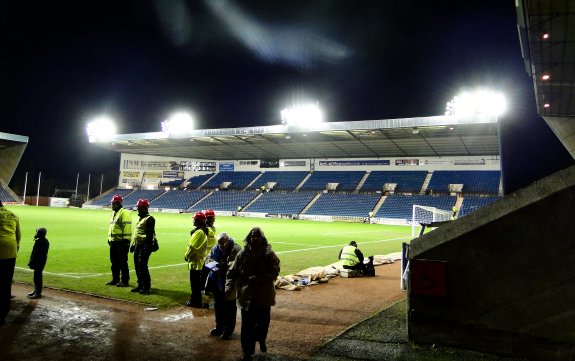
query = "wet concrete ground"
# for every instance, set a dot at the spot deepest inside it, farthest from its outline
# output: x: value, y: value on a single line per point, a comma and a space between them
x: 70, y: 326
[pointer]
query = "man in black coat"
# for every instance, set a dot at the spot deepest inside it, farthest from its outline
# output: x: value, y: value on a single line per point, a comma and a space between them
x: 38, y: 259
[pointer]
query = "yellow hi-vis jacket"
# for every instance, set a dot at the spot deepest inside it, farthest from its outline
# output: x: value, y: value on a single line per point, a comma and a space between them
x: 348, y: 256
x: 140, y: 235
x: 9, y: 234
x: 197, y: 250
x: 211, y: 237
x: 120, y: 226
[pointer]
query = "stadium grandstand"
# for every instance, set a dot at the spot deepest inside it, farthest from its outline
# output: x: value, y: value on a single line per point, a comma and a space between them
x: 11, y: 149
x: 334, y: 171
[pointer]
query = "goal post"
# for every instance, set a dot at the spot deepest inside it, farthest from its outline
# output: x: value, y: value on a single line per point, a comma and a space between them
x: 427, y: 215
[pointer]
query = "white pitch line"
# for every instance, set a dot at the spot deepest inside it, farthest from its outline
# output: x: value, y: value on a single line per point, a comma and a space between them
x: 338, y: 246
x: 90, y: 275
x: 69, y: 275
x: 168, y: 265
x: 346, y: 233
x: 297, y: 244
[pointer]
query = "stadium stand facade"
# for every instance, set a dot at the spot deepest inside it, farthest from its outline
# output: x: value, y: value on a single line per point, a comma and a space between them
x: 338, y: 171
x: 308, y: 194
x: 12, y: 147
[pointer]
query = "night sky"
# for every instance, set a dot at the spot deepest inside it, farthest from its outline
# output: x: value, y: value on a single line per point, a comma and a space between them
x: 238, y: 63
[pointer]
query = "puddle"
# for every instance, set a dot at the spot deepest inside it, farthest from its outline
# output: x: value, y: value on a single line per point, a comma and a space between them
x: 179, y: 317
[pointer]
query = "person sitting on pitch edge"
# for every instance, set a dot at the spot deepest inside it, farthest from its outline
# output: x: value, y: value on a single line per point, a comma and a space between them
x: 351, y: 258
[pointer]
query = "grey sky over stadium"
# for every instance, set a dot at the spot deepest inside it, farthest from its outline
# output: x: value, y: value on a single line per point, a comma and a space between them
x: 237, y: 63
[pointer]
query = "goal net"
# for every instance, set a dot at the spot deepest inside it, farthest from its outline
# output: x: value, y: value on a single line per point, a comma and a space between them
x: 427, y: 215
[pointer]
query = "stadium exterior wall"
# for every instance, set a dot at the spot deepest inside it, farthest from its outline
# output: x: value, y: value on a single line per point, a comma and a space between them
x: 500, y: 280
x: 41, y: 201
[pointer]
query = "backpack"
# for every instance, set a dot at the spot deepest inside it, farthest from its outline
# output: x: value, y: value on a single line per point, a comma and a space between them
x: 155, y: 245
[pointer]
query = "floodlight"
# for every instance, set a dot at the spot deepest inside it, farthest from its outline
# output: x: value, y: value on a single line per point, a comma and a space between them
x: 178, y: 123
x: 477, y: 102
x: 101, y: 127
x: 302, y: 115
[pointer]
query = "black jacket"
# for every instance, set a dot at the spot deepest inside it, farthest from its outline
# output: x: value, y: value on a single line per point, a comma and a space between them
x: 39, y: 254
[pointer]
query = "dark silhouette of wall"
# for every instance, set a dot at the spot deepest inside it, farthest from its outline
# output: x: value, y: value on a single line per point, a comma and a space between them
x: 509, y: 276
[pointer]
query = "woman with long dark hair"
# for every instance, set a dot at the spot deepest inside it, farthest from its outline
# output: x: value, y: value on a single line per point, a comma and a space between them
x: 253, y: 276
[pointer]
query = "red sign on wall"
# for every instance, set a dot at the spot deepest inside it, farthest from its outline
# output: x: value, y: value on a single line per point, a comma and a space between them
x: 428, y: 277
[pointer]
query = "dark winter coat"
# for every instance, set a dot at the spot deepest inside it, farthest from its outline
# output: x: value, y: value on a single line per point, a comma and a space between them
x: 39, y: 254
x: 224, y: 258
x: 253, y: 277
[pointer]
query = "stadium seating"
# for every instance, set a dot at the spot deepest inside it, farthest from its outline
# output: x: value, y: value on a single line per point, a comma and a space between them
x: 401, y: 206
x: 474, y: 182
x: 172, y: 183
x: 198, y: 180
x: 238, y: 180
x: 178, y: 199
x: 5, y: 196
x: 284, y: 180
x: 472, y: 203
x: 482, y: 185
x: 336, y: 204
x: 104, y: 200
x: 407, y: 181
x: 224, y: 201
x: 348, y: 181
x: 278, y: 202
x: 131, y: 199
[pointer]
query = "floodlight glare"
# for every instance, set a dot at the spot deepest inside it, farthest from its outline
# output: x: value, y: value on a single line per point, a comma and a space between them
x: 478, y: 102
x: 178, y: 123
x: 302, y: 115
x: 101, y: 127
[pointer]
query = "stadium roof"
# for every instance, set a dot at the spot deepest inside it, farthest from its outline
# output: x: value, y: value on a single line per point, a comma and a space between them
x: 548, y: 44
x: 407, y: 137
x: 547, y: 39
x: 11, y: 149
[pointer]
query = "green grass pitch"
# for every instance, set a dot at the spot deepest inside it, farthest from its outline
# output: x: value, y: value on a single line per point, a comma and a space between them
x: 79, y: 260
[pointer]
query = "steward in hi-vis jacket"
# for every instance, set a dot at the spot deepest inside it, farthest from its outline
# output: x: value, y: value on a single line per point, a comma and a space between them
x: 350, y: 257
x: 9, y: 246
x: 142, y: 246
x: 210, y: 220
x: 119, y: 235
x: 195, y: 255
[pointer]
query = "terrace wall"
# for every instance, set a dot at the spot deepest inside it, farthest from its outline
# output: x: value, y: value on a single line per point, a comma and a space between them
x: 501, y: 279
